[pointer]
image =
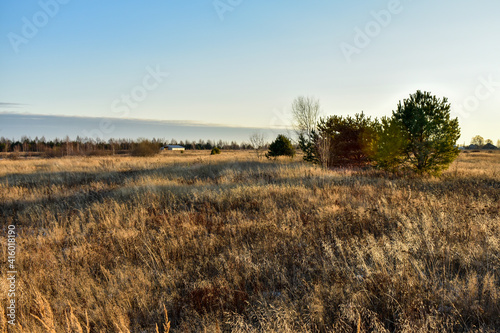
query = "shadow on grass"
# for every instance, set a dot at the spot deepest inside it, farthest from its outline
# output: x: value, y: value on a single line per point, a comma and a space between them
x: 200, y: 177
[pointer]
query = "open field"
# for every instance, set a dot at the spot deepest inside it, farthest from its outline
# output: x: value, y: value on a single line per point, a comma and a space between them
x: 230, y: 243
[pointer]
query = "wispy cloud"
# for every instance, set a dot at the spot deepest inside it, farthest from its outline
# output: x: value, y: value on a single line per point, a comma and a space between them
x: 16, y: 124
x: 4, y: 105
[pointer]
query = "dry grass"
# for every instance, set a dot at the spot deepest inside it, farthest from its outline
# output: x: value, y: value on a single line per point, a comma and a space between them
x: 228, y: 243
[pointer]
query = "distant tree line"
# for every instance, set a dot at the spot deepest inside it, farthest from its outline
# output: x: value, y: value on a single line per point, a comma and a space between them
x: 90, y: 146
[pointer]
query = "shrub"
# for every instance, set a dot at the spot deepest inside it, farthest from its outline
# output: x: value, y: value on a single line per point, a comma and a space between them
x: 282, y: 146
x: 52, y: 153
x: 349, y: 139
x: 215, y: 151
x: 14, y: 156
x: 145, y: 148
x: 99, y: 153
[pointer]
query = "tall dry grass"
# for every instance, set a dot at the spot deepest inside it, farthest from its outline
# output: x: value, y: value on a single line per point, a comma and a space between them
x: 232, y: 244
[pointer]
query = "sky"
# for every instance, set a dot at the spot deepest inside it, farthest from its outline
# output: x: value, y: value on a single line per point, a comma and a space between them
x: 241, y: 63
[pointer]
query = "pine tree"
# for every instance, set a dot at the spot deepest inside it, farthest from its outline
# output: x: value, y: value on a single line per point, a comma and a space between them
x: 390, y: 145
x: 308, y: 146
x: 431, y: 135
x: 282, y: 146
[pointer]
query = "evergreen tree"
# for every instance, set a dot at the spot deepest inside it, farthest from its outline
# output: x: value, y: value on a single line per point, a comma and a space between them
x: 308, y: 146
x: 390, y: 144
x: 282, y: 146
x: 430, y: 134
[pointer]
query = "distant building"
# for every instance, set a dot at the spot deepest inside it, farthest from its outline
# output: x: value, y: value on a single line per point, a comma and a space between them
x: 489, y: 146
x: 473, y: 147
x: 173, y: 147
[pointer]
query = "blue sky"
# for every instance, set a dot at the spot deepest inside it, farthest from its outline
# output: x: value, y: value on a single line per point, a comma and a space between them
x: 244, y: 66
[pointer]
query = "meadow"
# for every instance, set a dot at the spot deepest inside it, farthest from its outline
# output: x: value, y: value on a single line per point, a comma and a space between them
x: 230, y: 243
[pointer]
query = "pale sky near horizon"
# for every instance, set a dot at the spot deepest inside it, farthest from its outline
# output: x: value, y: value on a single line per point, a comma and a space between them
x: 243, y: 62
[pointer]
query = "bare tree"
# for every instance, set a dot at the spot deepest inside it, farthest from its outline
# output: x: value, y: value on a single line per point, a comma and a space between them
x: 323, y: 149
x: 305, y: 111
x: 477, y: 140
x: 258, y: 141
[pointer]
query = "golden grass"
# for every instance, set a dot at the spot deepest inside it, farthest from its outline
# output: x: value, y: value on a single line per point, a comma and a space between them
x: 232, y: 243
